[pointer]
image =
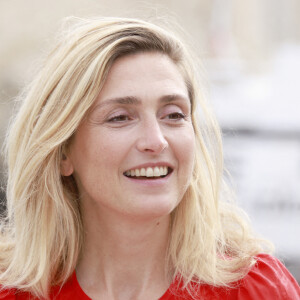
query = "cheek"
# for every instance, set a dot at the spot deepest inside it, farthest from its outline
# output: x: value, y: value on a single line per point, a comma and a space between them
x: 186, y: 147
x: 99, y: 145
x: 185, y: 152
x: 111, y: 150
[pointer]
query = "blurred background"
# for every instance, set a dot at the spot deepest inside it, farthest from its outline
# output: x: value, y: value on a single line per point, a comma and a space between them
x: 250, y: 51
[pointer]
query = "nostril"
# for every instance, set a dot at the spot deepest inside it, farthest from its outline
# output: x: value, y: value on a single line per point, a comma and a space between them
x: 152, y: 139
x: 159, y: 147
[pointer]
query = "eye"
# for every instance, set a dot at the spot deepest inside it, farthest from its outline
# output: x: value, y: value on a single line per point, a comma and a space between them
x: 176, y: 116
x: 174, y: 113
x: 119, y: 118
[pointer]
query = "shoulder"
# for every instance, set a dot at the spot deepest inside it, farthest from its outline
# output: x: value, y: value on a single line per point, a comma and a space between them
x: 14, y: 294
x: 7, y: 294
x: 268, y: 279
x: 71, y: 290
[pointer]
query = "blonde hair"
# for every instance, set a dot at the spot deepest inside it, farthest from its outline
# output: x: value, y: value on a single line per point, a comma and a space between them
x: 42, y: 235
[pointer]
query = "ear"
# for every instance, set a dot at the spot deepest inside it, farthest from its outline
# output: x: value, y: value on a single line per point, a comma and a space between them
x: 66, y: 166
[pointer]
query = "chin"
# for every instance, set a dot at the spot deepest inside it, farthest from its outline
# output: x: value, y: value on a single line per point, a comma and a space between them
x: 154, y: 209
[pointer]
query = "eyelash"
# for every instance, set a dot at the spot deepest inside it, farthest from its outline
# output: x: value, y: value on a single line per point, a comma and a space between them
x: 179, y: 116
x: 175, y: 116
x: 119, y: 118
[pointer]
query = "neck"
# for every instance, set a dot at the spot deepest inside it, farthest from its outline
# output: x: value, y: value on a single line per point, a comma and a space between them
x: 124, y: 256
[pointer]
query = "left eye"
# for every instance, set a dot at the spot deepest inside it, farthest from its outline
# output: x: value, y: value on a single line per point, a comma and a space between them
x: 175, y: 116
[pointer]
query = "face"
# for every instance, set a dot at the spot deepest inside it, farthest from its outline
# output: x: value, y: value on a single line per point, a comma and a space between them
x: 133, y: 155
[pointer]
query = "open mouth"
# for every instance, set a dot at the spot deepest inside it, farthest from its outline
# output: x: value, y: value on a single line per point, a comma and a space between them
x: 149, y: 173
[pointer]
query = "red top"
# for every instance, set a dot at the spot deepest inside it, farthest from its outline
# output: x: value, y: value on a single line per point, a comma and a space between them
x: 267, y: 280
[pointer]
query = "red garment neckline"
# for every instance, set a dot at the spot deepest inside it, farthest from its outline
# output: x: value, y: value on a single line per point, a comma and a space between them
x: 74, y: 282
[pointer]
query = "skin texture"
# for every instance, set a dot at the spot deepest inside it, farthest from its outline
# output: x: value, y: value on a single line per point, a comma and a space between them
x: 141, y: 118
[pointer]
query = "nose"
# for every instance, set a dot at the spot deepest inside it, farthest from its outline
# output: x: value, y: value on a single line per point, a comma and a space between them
x: 151, y: 138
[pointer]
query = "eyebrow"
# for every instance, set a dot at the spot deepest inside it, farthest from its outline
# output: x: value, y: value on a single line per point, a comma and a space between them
x: 131, y: 100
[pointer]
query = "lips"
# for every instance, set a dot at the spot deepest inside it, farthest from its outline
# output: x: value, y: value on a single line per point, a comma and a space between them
x: 148, y: 172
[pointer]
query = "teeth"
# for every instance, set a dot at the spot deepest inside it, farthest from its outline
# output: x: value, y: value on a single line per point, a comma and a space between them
x: 156, y: 171
x: 149, y: 172
x: 166, y: 170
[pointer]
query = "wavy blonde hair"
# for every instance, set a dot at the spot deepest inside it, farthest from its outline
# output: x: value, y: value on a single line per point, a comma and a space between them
x: 42, y: 234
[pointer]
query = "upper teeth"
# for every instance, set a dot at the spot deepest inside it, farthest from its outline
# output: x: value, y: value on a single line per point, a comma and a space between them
x: 148, y: 172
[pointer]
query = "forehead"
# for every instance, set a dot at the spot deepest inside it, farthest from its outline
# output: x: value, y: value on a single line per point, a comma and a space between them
x: 160, y: 63
x: 143, y: 75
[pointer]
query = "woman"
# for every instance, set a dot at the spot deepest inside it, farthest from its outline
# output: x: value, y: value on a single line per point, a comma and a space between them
x: 114, y: 190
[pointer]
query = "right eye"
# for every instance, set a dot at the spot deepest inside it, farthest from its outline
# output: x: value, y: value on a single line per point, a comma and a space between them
x: 119, y: 118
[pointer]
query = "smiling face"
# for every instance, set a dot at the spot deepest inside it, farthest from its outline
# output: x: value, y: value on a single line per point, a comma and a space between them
x: 133, y: 155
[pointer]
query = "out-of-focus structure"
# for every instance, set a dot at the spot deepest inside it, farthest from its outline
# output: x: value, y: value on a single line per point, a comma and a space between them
x: 251, y: 52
